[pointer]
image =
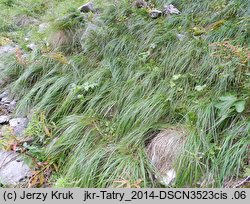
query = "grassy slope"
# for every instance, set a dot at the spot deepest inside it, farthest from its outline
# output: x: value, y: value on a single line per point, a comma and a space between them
x: 111, y: 90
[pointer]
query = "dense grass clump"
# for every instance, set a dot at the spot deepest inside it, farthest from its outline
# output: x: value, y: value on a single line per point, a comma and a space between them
x: 120, y: 77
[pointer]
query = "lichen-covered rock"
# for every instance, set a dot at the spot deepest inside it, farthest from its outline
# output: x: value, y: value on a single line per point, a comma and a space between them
x: 163, y: 151
x: 12, y: 168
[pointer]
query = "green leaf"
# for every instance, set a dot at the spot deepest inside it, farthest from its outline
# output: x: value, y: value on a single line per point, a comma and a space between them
x: 240, y: 106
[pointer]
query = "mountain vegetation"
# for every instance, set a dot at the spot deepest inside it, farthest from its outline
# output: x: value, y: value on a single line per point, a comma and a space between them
x: 99, y: 86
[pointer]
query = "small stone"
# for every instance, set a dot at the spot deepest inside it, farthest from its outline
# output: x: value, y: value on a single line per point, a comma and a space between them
x: 6, y: 100
x: 86, y: 8
x: 155, y: 14
x: 12, y: 106
x: 19, y: 125
x: 4, y: 119
x: 170, y: 9
x: 32, y: 46
x: 4, y: 94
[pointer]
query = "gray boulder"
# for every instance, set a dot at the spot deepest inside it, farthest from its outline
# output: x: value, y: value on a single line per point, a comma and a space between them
x: 5, y: 100
x: 8, y: 49
x: 19, y: 125
x: 89, y: 28
x: 12, y: 168
x: 86, y: 8
x: 11, y: 107
x: 95, y: 25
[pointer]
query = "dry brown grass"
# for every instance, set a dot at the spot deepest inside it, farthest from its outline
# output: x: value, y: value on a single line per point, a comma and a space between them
x: 59, y: 39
